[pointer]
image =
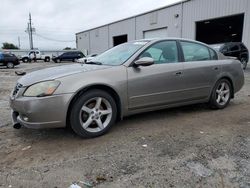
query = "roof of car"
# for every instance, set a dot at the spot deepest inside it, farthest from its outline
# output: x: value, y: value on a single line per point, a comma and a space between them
x: 169, y: 38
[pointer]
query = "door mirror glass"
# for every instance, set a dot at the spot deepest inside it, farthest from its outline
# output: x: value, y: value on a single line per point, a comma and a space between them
x: 144, y: 61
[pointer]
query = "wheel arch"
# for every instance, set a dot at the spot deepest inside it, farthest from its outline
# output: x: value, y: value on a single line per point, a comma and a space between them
x: 103, y: 87
x: 226, y: 77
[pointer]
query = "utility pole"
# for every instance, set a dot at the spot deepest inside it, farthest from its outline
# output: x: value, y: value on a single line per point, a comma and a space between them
x: 30, y: 30
x: 31, y: 37
x: 19, y: 44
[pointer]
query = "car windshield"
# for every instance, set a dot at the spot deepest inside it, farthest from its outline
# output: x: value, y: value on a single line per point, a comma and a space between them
x: 119, y: 54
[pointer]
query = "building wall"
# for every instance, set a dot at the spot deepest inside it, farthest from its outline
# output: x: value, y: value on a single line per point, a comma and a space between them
x: 198, y: 10
x: 98, y: 40
x: 183, y: 25
x: 164, y: 18
x: 122, y: 28
x: 83, y: 41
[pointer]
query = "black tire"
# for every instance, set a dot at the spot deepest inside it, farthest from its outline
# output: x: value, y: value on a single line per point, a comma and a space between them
x: 47, y: 59
x: 25, y: 60
x: 74, y: 60
x: 213, y: 103
x: 10, y: 65
x: 75, y: 114
x: 243, y: 60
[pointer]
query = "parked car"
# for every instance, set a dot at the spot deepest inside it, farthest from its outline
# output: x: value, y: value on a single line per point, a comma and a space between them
x: 134, y: 77
x: 8, y: 60
x: 234, y: 49
x: 87, y: 58
x: 37, y: 54
x: 68, y: 56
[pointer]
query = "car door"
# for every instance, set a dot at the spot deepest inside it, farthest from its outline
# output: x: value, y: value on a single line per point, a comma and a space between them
x: 160, y: 83
x: 200, y: 69
x: 65, y: 56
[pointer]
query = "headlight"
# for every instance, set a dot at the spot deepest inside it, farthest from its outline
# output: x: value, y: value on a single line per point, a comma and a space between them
x: 42, y: 89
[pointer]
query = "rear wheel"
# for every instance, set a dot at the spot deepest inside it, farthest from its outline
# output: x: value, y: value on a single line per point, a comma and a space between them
x: 47, y: 59
x: 221, y: 94
x: 244, y: 62
x: 93, y: 114
x: 10, y: 65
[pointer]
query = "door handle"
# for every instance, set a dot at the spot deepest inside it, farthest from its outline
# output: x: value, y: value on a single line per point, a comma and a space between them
x: 216, y: 68
x: 178, y: 73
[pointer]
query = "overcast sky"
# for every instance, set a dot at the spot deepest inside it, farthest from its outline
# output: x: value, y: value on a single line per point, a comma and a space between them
x: 59, y: 20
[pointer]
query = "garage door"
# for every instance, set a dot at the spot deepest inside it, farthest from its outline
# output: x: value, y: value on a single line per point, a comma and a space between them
x: 157, y: 33
x: 220, y: 30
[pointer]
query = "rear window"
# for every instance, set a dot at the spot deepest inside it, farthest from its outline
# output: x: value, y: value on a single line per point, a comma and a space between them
x: 195, y: 52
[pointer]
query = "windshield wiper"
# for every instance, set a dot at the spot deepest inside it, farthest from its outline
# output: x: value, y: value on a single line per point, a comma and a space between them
x: 93, y: 63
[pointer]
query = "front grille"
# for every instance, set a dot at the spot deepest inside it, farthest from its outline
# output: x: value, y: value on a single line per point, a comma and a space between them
x: 16, y: 89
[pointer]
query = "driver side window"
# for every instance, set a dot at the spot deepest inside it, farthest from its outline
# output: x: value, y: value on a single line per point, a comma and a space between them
x: 162, y: 52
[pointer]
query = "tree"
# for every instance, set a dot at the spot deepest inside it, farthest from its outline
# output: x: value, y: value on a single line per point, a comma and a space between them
x: 67, y: 48
x: 7, y: 45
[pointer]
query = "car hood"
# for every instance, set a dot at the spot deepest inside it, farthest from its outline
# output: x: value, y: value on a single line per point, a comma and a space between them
x: 57, y: 72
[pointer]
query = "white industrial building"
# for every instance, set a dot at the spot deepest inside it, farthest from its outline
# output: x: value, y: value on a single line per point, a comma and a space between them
x: 209, y: 21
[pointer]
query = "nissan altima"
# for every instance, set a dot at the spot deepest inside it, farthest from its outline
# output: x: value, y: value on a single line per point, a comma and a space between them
x: 134, y: 77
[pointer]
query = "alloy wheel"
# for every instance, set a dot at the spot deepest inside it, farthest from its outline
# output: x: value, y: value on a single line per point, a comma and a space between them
x: 95, y: 114
x: 222, y: 93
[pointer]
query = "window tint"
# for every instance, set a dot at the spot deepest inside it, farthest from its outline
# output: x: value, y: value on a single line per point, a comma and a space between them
x: 233, y: 47
x: 242, y: 47
x: 162, y: 52
x: 213, y: 54
x: 7, y: 55
x: 195, y: 52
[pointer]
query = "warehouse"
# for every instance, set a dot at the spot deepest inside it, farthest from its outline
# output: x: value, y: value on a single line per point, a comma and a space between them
x: 209, y: 21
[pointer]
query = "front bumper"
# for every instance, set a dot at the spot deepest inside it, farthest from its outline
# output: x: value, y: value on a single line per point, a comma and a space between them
x: 40, y: 112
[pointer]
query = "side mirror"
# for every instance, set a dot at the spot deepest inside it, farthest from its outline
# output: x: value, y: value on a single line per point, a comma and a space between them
x: 145, y: 61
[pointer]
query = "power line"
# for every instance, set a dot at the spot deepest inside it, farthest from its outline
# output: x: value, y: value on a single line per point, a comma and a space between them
x: 51, y: 39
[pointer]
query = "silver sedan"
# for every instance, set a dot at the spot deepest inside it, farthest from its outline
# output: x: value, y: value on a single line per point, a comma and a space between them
x: 134, y: 77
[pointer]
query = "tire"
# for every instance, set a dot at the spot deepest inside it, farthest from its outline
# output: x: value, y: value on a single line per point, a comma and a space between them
x: 47, y: 59
x: 74, y: 60
x: 10, y: 65
x: 243, y: 61
x: 221, y: 94
x: 88, y: 119
x: 25, y: 60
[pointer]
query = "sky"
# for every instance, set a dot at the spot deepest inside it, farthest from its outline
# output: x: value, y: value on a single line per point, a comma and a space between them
x: 57, y: 21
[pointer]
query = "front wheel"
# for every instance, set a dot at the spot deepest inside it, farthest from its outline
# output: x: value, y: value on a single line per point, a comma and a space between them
x: 221, y: 94
x: 10, y: 65
x: 93, y: 114
x: 244, y: 63
x: 25, y: 60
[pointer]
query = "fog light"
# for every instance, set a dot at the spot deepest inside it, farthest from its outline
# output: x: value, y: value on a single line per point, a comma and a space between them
x: 25, y: 118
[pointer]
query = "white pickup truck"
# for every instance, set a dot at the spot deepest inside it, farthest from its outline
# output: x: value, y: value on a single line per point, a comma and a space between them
x: 39, y: 56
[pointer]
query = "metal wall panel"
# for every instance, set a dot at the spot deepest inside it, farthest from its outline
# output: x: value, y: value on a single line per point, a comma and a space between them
x: 166, y: 18
x: 98, y: 40
x: 124, y: 27
x: 198, y: 10
x: 83, y: 41
x: 183, y: 25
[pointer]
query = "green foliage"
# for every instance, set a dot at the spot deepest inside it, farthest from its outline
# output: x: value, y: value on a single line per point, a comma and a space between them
x: 7, y: 45
x: 67, y: 48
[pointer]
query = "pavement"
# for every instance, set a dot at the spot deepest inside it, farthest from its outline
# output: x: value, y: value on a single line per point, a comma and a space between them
x: 190, y: 146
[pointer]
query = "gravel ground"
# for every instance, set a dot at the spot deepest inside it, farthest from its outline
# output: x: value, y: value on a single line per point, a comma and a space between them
x: 190, y: 146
